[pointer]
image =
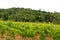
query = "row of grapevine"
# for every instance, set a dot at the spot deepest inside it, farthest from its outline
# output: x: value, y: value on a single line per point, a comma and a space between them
x: 30, y: 29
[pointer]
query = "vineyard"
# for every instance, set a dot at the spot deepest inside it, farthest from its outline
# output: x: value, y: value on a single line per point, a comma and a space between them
x: 29, y: 31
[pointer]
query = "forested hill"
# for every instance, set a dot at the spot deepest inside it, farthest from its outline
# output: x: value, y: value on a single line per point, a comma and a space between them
x: 28, y: 15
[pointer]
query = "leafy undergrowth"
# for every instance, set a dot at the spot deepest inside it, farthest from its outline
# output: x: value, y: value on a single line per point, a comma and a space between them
x: 29, y: 31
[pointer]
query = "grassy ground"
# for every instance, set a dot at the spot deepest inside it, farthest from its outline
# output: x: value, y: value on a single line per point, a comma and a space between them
x: 29, y: 31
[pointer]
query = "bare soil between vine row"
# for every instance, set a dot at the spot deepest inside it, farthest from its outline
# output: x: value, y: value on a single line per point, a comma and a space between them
x: 18, y: 37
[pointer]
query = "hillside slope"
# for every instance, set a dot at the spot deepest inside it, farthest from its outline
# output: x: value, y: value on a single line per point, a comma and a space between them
x: 29, y: 15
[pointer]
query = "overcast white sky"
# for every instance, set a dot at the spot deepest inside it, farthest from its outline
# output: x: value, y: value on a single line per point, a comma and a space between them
x: 48, y: 5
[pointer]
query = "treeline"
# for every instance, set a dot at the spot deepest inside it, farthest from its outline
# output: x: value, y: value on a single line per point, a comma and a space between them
x: 29, y: 15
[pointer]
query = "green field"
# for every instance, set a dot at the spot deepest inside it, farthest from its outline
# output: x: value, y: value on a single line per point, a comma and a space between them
x: 29, y: 29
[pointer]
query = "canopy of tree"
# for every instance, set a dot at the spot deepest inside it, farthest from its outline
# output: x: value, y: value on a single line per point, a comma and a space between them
x: 29, y: 15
